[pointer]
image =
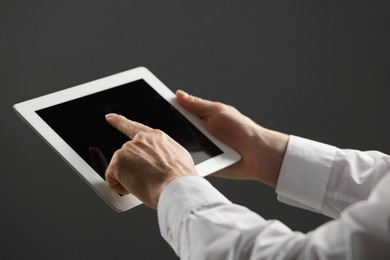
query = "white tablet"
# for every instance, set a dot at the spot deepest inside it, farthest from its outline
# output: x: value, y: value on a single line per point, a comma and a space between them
x: 72, y: 121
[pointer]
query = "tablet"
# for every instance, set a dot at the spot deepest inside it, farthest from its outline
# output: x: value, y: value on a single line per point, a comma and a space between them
x: 72, y: 122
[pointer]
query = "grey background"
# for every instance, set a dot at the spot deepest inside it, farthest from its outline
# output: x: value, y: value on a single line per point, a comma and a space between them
x: 318, y: 69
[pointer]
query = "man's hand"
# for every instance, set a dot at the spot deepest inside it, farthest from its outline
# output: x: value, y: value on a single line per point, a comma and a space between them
x: 147, y: 163
x: 262, y: 150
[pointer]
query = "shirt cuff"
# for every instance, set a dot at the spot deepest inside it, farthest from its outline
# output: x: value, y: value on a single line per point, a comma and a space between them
x: 178, y: 199
x: 304, y: 173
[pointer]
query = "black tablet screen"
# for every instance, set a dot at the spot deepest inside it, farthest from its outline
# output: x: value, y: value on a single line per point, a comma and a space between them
x: 81, y: 123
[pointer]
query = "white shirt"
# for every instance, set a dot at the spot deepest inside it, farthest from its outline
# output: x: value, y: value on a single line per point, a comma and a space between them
x: 351, y: 186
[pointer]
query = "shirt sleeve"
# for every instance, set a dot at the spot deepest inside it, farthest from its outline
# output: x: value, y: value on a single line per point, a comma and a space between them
x: 200, y: 223
x: 326, y: 179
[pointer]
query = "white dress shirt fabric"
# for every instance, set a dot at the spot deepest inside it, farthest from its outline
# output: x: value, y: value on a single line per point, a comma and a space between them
x: 351, y: 186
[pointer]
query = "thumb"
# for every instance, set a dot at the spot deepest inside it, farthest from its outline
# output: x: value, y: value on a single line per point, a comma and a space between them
x: 200, y: 107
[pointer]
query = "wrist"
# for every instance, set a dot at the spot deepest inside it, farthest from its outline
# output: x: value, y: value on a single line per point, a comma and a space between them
x: 271, y: 148
x: 164, y: 183
x: 156, y: 191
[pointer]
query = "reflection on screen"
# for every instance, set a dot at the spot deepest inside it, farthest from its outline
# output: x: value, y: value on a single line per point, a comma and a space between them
x: 81, y: 123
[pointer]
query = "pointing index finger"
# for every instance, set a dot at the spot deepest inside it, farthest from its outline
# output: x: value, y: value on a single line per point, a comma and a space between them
x: 126, y: 126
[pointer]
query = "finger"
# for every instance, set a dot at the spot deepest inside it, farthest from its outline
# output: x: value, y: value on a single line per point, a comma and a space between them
x: 113, y: 182
x: 126, y: 126
x: 200, y: 107
x: 116, y: 186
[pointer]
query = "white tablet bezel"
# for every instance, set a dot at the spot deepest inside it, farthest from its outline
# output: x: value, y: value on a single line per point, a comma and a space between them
x: 27, y: 111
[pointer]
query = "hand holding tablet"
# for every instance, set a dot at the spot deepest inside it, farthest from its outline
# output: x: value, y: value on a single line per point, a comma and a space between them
x: 73, y: 122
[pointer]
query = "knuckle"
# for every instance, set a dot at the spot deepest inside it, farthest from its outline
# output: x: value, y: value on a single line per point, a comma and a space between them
x: 220, y: 106
x: 225, y: 107
x: 158, y: 132
x: 119, y: 156
x: 124, y: 147
x: 141, y: 136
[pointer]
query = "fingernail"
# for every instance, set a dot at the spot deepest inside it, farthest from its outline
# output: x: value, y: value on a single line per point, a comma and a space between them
x: 110, y: 115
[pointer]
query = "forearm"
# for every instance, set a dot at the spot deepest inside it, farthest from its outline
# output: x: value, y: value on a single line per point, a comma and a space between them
x: 353, y: 176
x: 327, y: 179
x: 199, y: 223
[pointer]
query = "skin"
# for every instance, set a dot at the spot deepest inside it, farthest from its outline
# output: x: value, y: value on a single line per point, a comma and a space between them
x: 147, y: 163
x: 151, y: 160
